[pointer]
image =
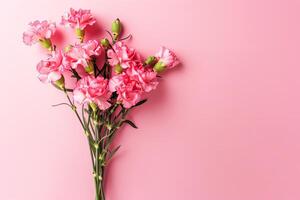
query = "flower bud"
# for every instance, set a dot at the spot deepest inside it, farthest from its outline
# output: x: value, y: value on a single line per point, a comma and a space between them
x: 79, y: 33
x: 60, y: 84
x: 150, y: 60
x: 46, y: 43
x: 159, y: 67
x: 105, y: 42
x: 116, y: 28
x: 118, y: 69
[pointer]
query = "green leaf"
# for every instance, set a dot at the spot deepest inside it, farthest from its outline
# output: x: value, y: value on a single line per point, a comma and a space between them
x: 130, y: 123
x: 75, y: 74
x: 112, y: 153
x: 140, y: 103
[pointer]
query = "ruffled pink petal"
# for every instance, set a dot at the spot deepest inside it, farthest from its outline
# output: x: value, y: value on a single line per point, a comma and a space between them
x: 54, y: 76
x: 79, y: 96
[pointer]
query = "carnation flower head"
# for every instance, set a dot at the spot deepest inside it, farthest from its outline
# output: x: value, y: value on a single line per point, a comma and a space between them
x: 123, y: 55
x: 145, y: 76
x: 93, y: 90
x: 51, y: 69
x: 166, y: 59
x: 78, y: 19
x: 129, y: 91
x: 38, y: 31
x: 81, y: 54
x: 132, y: 83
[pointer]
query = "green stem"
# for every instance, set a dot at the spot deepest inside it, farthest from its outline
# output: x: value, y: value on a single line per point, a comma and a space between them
x: 97, y: 174
x: 95, y: 161
x: 99, y: 152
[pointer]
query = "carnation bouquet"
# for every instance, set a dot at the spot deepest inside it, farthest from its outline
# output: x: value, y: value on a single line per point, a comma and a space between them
x: 103, y: 94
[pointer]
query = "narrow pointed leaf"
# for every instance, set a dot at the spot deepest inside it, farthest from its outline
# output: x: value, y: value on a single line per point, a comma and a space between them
x: 140, y: 103
x: 112, y: 153
x: 130, y: 123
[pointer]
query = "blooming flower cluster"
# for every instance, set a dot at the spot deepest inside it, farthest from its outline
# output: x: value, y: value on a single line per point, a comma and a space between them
x: 129, y: 76
x: 106, y: 93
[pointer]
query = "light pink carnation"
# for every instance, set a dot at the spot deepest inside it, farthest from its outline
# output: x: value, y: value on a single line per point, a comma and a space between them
x: 167, y: 58
x: 82, y: 54
x: 51, y: 69
x: 146, y: 77
x: 123, y: 55
x: 78, y: 19
x: 92, y: 90
x: 38, y: 30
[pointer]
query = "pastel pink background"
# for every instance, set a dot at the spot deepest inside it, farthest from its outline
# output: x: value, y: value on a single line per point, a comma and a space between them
x: 223, y: 126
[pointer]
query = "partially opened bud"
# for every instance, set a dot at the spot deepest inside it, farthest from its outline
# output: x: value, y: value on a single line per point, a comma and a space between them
x: 159, y: 67
x: 46, y: 43
x: 118, y: 69
x: 150, y: 60
x: 166, y: 60
x: 105, y: 42
x: 116, y: 28
x: 79, y: 33
x: 60, y: 84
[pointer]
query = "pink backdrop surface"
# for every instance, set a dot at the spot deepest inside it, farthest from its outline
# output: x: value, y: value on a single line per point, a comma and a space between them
x: 222, y: 126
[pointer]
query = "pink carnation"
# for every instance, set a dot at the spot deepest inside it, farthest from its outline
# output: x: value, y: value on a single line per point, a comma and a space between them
x: 51, y: 69
x: 38, y: 30
x: 167, y: 58
x: 78, y: 19
x: 129, y: 91
x: 146, y: 77
x: 92, y: 90
x: 81, y: 54
x: 133, y: 83
x: 123, y: 55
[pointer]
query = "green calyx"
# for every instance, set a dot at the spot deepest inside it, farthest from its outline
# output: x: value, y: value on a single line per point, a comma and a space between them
x: 105, y: 43
x: 159, y: 67
x: 150, y: 60
x: 68, y: 48
x: 60, y: 84
x: 79, y: 33
x: 93, y: 106
x: 46, y: 43
x: 118, y: 69
x: 89, y: 69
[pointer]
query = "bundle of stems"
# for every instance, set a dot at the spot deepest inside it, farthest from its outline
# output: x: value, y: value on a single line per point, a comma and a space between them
x: 100, y: 127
